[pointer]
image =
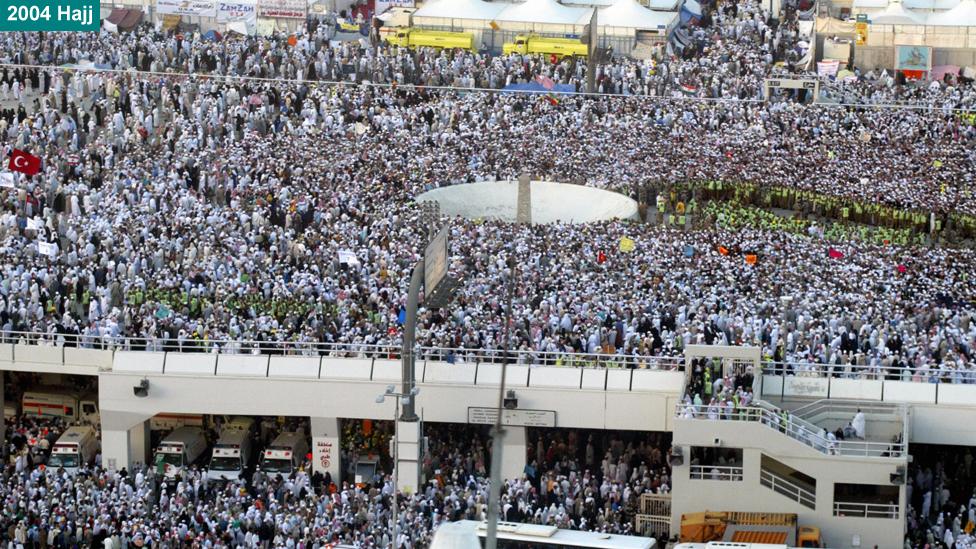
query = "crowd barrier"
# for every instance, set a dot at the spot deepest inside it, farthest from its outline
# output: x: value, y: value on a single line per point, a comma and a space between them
x: 311, y: 349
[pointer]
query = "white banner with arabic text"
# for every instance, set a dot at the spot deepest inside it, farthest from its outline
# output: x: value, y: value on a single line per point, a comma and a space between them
x: 282, y: 9
x: 201, y: 8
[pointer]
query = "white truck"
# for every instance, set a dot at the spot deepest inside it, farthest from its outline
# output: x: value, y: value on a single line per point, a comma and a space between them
x: 286, y: 453
x: 232, y: 453
x: 75, y: 447
x: 53, y: 402
x: 179, y: 449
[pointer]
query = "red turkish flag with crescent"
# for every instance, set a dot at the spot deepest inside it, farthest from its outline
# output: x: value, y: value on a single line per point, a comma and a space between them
x: 23, y: 162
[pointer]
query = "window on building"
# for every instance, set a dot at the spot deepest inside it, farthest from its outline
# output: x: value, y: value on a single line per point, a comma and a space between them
x: 866, y: 500
x: 708, y: 463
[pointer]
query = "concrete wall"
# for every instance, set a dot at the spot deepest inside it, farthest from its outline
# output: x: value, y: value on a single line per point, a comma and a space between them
x: 644, y: 409
x: 689, y: 496
x: 909, y: 392
x: 51, y: 359
x: 332, y: 387
x: 943, y: 424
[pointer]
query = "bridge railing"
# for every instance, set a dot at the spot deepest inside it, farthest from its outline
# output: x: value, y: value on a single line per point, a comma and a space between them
x: 927, y: 373
x: 345, y: 350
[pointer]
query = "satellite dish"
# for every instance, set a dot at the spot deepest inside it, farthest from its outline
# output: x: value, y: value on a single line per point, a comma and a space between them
x: 455, y: 535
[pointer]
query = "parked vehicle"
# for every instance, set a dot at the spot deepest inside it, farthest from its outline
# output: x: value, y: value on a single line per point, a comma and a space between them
x: 74, y: 448
x: 544, y: 45
x: 286, y: 453
x: 179, y: 449
x: 232, y: 453
x: 419, y: 38
x: 54, y: 402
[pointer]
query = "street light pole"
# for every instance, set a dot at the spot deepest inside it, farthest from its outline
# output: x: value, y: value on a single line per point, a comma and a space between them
x: 396, y: 466
x: 494, y: 486
x: 407, y: 400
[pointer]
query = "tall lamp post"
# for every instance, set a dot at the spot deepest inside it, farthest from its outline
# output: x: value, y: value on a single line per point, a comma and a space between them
x: 406, y: 398
x: 494, y: 485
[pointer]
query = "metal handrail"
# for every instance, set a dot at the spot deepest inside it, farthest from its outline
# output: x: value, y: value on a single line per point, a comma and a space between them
x: 797, y: 429
x: 347, y: 350
x: 865, y: 510
x: 785, y: 487
x: 927, y: 374
x: 709, y: 472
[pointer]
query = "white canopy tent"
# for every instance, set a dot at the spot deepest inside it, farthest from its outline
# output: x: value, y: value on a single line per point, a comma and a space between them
x: 896, y: 14
x: 627, y: 16
x: 921, y: 8
x: 543, y: 16
x: 931, y: 4
x: 460, y: 9
x: 963, y: 15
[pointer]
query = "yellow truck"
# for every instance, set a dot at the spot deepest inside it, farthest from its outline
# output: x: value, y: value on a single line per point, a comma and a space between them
x: 532, y: 44
x: 412, y: 37
x: 742, y: 527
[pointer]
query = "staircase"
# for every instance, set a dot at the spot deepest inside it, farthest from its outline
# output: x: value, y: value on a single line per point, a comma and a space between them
x: 799, y: 429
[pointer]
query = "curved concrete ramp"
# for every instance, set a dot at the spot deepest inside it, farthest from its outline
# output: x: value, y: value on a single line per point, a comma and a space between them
x: 551, y: 202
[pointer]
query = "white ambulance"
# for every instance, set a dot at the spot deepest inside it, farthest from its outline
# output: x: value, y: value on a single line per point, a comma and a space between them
x: 75, y: 447
x: 179, y: 449
x: 231, y: 454
x: 286, y: 454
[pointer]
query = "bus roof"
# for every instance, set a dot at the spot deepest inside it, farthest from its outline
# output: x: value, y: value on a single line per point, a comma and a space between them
x: 566, y: 538
x: 730, y: 545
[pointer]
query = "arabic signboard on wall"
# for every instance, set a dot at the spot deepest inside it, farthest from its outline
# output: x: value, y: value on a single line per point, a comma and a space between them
x: 325, y: 455
x: 518, y: 418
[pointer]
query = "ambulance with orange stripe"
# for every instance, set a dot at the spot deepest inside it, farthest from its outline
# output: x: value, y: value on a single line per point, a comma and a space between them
x: 60, y: 403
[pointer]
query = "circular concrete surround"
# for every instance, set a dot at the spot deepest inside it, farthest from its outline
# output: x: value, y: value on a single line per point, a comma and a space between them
x: 551, y: 202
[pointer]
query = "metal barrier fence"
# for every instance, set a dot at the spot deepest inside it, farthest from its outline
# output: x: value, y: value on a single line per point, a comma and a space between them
x: 783, y: 486
x: 345, y: 350
x: 654, y: 516
x: 866, y: 510
x: 925, y: 374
